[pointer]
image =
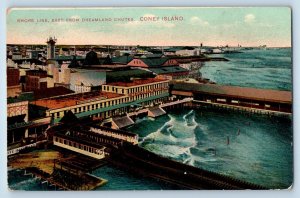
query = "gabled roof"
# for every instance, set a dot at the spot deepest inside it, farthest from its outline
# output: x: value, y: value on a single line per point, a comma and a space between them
x: 153, y: 55
x: 167, y: 70
x: 122, y: 59
x: 154, y: 62
x: 69, y: 118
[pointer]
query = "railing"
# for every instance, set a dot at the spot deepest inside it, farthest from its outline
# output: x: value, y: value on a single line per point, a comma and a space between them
x: 29, y: 123
x: 17, y: 150
x: 176, y: 102
x: 148, y: 91
x: 246, y: 107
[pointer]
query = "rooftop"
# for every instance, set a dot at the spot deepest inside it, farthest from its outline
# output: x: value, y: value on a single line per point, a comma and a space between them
x: 30, y: 60
x: 50, y: 92
x: 239, y: 92
x: 74, y: 99
x: 113, y: 76
x: 167, y: 70
x: 136, y: 82
x: 67, y: 58
x: 122, y: 59
x: 154, y: 62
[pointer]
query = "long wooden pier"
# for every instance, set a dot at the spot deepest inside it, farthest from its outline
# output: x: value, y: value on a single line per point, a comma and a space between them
x: 140, y: 161
x: 251, y: 98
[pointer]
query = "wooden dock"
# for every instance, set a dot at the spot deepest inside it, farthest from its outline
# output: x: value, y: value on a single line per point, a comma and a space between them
x: 61, y: 170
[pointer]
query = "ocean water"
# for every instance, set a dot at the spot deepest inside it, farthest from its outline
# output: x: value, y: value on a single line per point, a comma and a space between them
x: 117, y: 180
x: 268, y: 69
x: 252, y: 148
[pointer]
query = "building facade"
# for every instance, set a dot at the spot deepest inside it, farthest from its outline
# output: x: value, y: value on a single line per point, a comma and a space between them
x: 115, y: 99
x: 13, y: 82
x: 152, y: 62
x: 91, y: 104
x: 142, y: 91
x: 35, y: 79
x: 81, y: 88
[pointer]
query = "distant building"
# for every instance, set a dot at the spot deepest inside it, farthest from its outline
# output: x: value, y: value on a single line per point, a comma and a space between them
x: 119, y: 53
x: 91, y: 58
x: 152, y: 62
x: 175, y: 72
x: 13, y: 82
x: 81, y: 88
x: 187, y: 52
x: 35, y: 79
x: 16, y: 55
x: 51, y: 48
x: 121, y: 60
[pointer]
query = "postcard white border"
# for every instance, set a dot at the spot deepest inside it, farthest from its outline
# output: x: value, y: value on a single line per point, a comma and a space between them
x: 294, y: 4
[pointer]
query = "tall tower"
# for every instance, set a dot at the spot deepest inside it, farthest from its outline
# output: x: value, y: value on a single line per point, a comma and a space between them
x: 51, y: 47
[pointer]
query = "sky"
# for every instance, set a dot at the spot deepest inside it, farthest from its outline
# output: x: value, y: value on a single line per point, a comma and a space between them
x: 212, y: 26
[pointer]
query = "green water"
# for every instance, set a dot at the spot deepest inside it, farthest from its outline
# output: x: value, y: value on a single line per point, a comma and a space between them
x: 253, y: 148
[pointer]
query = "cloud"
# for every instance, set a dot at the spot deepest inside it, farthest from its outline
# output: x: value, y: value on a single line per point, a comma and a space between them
x: 249, y: 18
x: 199, y: 21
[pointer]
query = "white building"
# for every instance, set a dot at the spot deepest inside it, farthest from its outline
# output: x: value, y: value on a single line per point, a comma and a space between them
x: 81, y: 87
x: 186, y: 52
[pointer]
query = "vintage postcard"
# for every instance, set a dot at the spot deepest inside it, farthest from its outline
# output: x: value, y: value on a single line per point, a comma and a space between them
x: 149, y: 98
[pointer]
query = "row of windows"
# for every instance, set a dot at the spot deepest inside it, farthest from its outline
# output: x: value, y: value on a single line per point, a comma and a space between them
x: 107, y: 114
x: 92, y: 107
x: 136, y: 89
x: 115, y: 135
x: 142, y: 96
x: 107, y: 104
x: 79, y: 146
x: 97, y: 139
x: 137, y: 62
x: 149, y: 87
